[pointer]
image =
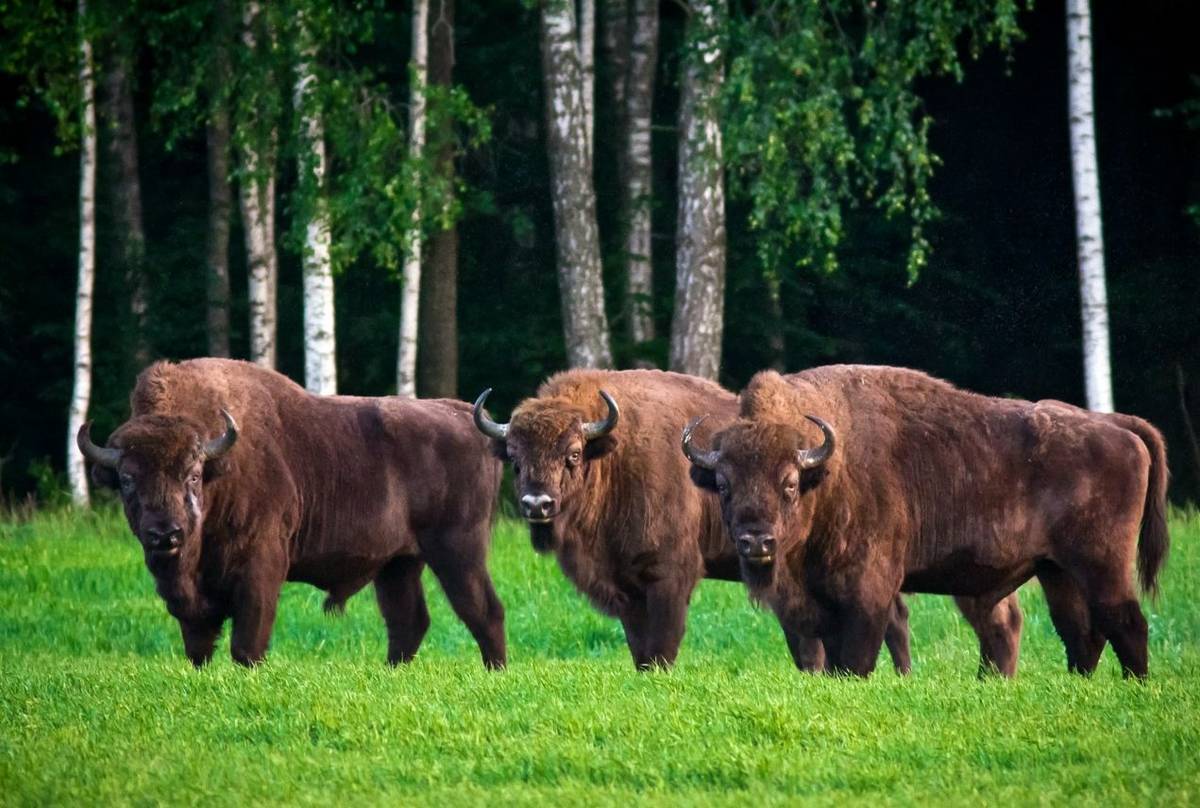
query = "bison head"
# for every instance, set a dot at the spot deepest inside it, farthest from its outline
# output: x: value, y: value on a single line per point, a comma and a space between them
x: 763, y: 473
x: 549, y: 442
x: 159, y: 465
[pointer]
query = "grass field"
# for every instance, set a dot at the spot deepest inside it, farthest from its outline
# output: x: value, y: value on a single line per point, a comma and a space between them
x: 98, y: 704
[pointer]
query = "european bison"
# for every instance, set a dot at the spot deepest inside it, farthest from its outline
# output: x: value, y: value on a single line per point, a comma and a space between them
x: 333, y: 491
x: 603, y: 486
x: 843, y: 485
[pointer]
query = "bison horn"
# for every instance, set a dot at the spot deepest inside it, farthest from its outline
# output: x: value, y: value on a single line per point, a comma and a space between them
x: 486, y: 425
x: 101, y: 456
x: 811, y: 458
x: 598, y: 429
x: 705, y: 460
x: 219, y: 446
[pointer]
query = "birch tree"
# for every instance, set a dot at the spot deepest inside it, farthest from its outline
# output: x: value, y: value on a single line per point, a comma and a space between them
x: 82, y: 386
x: 410, y: 290
x: 576, y: 233
x: 637, y: 171
x: 1088, y: 233
x: 320, y: 354
x: 615, y: 39
x: 437, y: 369
x: 220, y: 196
x: 587, y: 67
x: 257, y: 138
x: 698, y: 321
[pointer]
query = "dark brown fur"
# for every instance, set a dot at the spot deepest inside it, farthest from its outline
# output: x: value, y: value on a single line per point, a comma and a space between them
x: 630, y: 531
x: 333, y: 491
x: 935, y: 489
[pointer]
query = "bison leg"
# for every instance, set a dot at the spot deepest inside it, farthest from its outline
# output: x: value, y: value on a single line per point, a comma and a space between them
x: 854, y: 647
x: 402, y: 603
x: 1072, y: 619
x: 807, y: 652
x: 199, y: 639
x: 633, y: 620
x: 1123, y: 623
x: 998, y: 627
x: 469, y: 589
x: 253, y: 619
x: 897, y: 636
x: 666, y: 621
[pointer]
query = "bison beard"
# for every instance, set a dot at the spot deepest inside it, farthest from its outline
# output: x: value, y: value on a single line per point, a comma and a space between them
x: 934, y: 489
x: 334, y: 491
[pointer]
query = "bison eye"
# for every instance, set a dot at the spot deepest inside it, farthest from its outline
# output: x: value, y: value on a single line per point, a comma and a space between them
x: 126, y: 483
x: 194, y: 478
x: 574, y: 457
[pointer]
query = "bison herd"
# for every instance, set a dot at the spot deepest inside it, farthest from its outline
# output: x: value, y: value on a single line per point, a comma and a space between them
x: 828, y: 493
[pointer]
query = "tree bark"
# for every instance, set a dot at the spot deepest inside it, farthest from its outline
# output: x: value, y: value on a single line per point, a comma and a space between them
x: 580, y: 280
x: 437, y: 366
x: 258, y: 215
x: 121, y: 126
x: 615, y: 40
x: 82, y: 386
x: 637, y: 182
x: 1088, y: 231
x: 410, y: 292
x: 220, y: 195
x: 320, y: 349
x: 698, y: 321
x: 587, y: 67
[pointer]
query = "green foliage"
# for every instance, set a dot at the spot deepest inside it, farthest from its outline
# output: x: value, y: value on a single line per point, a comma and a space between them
x: 98, y: 704
x: 821, y: 113
x: 39, y: 42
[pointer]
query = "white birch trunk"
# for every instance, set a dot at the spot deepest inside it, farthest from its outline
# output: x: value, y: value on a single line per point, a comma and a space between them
x: 410, y: 290
x: 320, y: 350
x: 82, y: 389
x: 587, y: 67
x: 1088, y: 232
x: 698, y: 321
x: 257, y: 193
x: 639, y: 93
x: 577, y: 241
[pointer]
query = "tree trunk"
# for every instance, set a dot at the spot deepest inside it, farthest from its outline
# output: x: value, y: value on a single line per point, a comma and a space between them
x: 616, y: 52
x: 698, y: 322
x: 587, y: 68
x: 82, y: 388
x: 320, y: 350
x: 410, y: 292
x: 258, y: 216
x: 580, y: 281
x: 639, y: 89
x: 1088, y: 233
x: 776, y: 348
x: 118, y: 114
x: 437, y: 369
x: 220, y: 196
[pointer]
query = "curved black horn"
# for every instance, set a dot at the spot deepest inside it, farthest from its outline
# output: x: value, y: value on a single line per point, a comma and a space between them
x: 705, y: 460
x: 598, y: 429
x: 486, y: 425
x: 99, y: 455
x: 219, y: 446
x: 811, y: 458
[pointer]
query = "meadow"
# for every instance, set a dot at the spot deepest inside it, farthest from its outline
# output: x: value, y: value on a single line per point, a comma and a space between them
x: 98, y: 704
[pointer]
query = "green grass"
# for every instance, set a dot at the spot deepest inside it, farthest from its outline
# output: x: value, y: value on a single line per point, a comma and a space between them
x: 98, y: 704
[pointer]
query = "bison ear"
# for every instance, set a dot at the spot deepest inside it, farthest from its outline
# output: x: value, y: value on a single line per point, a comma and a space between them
x: 599, y: 447
x: 216, y: 467
x: 499, y: 449
x: 703, y: 478
x: 104, y: 477
x: 811, y: 478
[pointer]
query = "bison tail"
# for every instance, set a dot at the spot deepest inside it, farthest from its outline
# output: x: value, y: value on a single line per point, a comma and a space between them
x: 1154, y: 541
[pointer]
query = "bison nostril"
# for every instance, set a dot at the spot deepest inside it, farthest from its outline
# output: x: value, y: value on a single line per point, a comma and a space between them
x: 743, y: 545
x: 768, y: 545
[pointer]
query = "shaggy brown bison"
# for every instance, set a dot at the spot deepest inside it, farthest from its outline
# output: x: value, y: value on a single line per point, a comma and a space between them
x: 235, y: 479
x: 603, y: 486
x: 843, y: 485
